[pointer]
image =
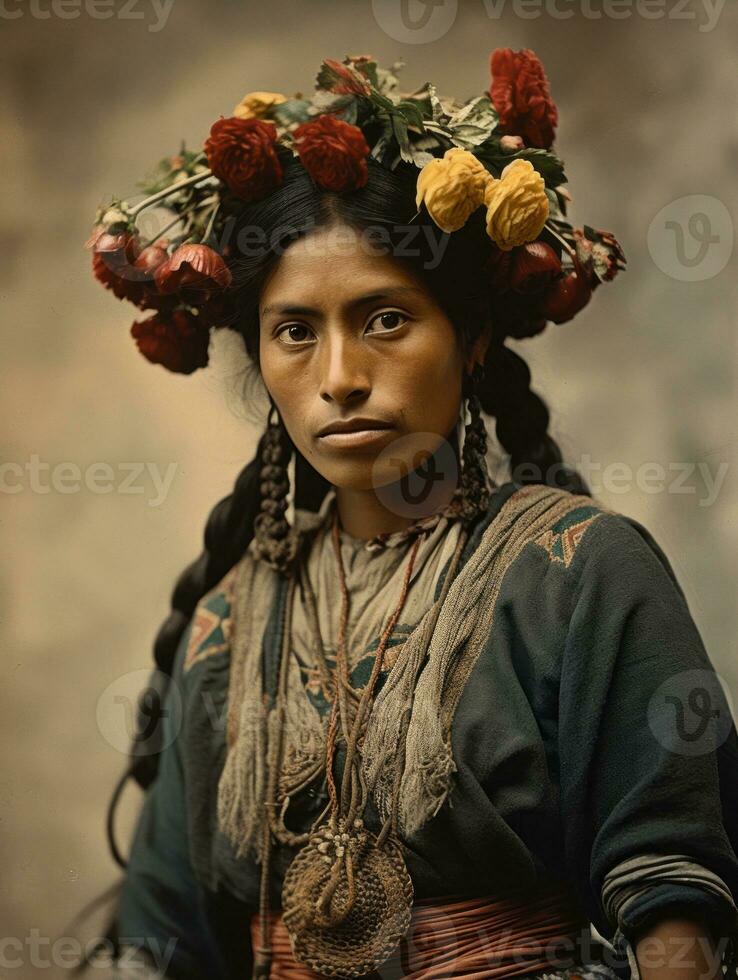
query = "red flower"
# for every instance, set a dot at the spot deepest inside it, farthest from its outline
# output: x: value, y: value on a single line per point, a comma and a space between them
x: 113, y: 259
x: 144, y: 270
x: 342, y: 79
x: 241, y: 153
x: 333, y: 152
x: 534, y: 265
x: 195, y: 272
x: 150, y: 258
x: 526, y: 268
x: 521, y: 96
x: 568, y: 295
x: 177, y: 340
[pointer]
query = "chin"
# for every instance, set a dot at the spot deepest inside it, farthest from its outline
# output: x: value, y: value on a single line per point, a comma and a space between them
x: 349, y: 474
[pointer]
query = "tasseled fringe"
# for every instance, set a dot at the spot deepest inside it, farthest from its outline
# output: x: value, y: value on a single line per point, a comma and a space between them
x: 436, y: 661
x: 243, y: 781
x: 418, y: 698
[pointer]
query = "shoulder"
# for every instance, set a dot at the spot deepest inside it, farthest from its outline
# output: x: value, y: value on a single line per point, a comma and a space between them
x: 210, y: 628
x: 566, y: 539
x: 242, y: 603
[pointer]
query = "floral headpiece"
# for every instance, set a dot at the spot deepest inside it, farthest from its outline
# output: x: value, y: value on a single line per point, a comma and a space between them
x: 493, y: 151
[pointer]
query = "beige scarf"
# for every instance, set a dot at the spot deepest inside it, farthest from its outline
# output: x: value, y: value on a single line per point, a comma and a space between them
x: 426, y: 679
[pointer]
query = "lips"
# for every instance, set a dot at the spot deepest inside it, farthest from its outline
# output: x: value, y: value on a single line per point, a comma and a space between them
x: 358, y: 438
x: 341, y: 426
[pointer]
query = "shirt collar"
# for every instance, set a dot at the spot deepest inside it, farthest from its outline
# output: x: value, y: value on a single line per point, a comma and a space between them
x: 306, y: 521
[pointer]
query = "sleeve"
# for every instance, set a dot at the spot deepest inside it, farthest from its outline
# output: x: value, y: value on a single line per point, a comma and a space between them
x: 161, y: 912
x: 648, y: 753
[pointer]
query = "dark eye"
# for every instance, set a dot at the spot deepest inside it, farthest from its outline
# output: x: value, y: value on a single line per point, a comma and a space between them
x: 295, y: 333
x: 387, y: 321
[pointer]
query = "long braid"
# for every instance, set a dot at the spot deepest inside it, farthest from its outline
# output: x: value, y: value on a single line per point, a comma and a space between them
x: 522, y: 420
x: 474, y: 482
x: 273, y: 537
x: 257, y: 503
x: 229, y: 529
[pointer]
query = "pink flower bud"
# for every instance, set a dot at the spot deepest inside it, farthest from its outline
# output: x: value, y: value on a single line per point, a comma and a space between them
x: 511, y: 144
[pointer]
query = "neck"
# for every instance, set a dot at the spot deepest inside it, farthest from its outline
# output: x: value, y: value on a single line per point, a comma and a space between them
x: 366, y: 513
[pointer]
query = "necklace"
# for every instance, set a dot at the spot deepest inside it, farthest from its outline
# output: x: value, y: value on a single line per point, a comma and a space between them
x: 347, y: 896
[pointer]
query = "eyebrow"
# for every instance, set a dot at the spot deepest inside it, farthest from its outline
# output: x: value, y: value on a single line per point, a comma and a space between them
x: 296, y: 309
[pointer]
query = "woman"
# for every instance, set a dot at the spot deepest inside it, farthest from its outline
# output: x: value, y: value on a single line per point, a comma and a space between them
x: 421, y: 724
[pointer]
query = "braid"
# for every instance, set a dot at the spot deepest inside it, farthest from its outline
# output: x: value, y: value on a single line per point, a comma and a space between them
x: 228, y: 531
x: 258, y: 498
x: 273, y: 537
x: 475, y: 488
x: 522, y: 420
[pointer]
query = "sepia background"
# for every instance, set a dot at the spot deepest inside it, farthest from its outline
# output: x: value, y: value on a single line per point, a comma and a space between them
x: 646, y: 374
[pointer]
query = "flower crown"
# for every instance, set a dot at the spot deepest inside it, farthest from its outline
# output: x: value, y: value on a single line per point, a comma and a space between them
x: 494, y: 151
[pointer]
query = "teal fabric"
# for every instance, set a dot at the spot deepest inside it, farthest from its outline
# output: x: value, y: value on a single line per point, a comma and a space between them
x: 161, y: 900
x: 561, y: 772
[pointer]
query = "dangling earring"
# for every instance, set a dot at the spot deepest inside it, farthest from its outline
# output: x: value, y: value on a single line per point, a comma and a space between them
x: 274, y: 539
x: 474, y: 482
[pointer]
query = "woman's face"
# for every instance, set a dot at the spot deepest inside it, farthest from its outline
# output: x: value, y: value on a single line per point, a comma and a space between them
x: 356, y: 355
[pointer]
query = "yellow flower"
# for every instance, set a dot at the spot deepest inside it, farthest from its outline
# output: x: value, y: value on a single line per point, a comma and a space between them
x: 517, y: 206
x: 257, y: 104
x: 451, y: 187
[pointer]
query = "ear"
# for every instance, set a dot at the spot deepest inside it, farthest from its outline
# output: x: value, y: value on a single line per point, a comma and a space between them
x: 478, y: 351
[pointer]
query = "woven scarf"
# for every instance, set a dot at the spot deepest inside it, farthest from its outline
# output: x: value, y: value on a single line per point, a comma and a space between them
x: 426, y: 680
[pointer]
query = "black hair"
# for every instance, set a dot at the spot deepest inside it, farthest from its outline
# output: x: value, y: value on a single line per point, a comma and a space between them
x: 384, y: 206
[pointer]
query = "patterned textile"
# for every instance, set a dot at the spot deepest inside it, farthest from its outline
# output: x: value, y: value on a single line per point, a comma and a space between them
x: 557, y: 763
x: 592, y: 971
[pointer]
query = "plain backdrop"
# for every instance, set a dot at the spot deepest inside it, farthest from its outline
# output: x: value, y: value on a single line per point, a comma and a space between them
x: 646, y: 374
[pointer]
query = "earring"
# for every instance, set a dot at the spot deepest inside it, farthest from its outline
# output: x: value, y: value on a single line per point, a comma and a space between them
x: 474, y: 482
x: 274, y: 539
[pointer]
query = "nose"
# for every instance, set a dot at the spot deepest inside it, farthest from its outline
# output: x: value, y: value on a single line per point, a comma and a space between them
x: 343, y: 372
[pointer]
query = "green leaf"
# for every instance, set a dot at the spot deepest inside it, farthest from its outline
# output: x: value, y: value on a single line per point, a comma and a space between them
x: 367, y: 68
x: 480, y: 112
x: 334, y: 76
x: 554, y: 208
x: 290, y: 112
x: 412, y: 113
x: 548, y: 165
x: 399, y: 128
x: 468, y: 136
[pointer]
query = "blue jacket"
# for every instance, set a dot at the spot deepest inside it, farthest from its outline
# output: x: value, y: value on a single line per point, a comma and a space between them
x: 579, y: 743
